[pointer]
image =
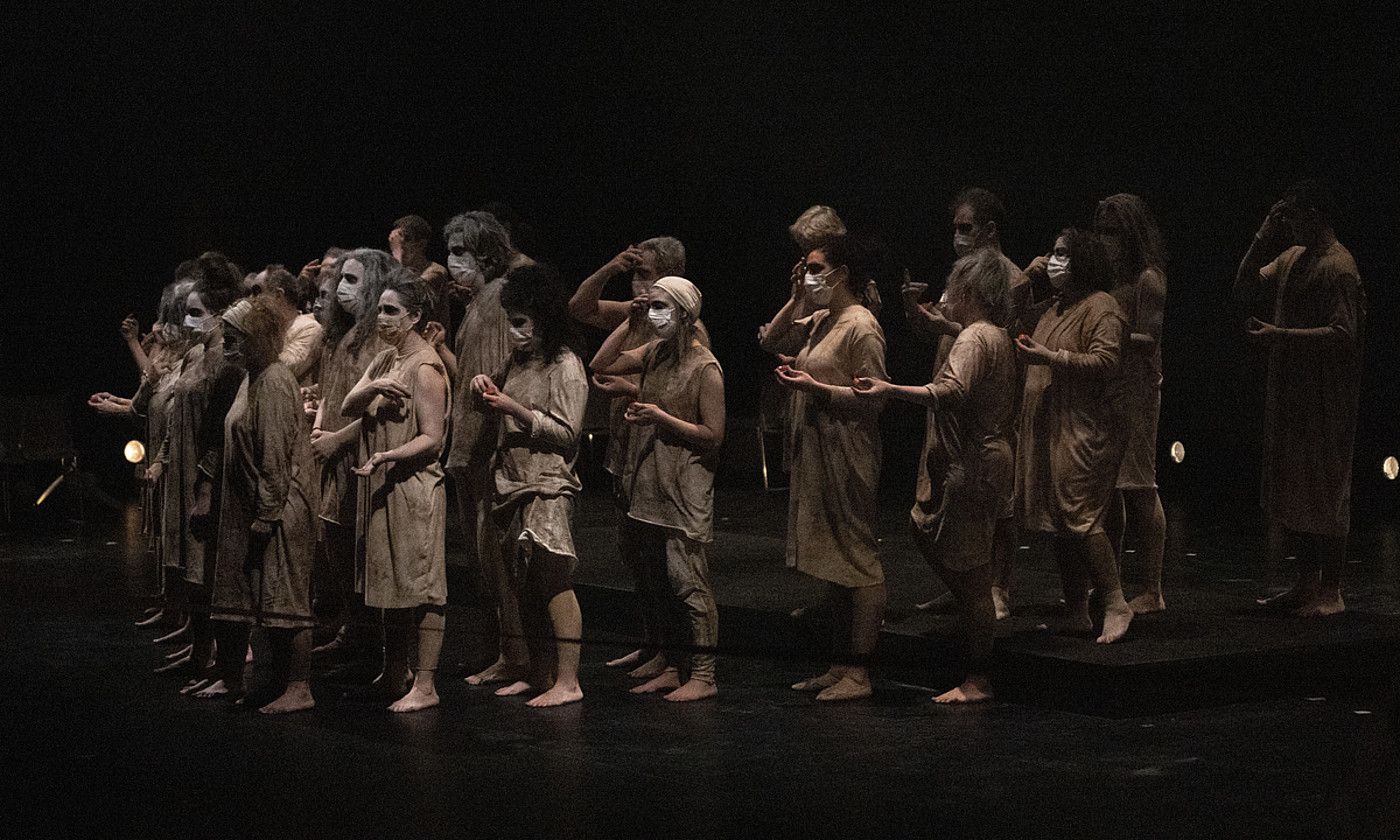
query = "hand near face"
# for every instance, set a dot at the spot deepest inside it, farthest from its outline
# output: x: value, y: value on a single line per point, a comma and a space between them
x: 311, y: 270
x: 798, y: 271
x: 130, y: 329
x: 625, y: 261
x: 865, y: 386
x: 1037, y: 270
x: 912, y: 291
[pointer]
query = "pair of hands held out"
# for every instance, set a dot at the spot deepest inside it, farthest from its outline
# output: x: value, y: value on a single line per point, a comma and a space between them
x: 638, y: 413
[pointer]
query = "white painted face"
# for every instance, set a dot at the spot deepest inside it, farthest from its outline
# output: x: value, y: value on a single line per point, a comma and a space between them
x: 347, y: 291
x: 1057, y: 267
x: 197, y: 316
x: 395, y: 320
x: 665, y: 318
x: 522, y: 332
x: 467, y: 277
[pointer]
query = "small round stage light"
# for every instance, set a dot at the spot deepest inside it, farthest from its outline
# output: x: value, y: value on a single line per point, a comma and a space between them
x: 134, y: 451
x: 1178, y: 451
x: 1391, y: 468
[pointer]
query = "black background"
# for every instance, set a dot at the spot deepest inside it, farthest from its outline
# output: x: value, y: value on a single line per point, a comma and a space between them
x: 139, y: 139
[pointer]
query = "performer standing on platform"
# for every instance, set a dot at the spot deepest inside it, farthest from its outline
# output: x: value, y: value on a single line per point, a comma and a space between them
x: 539, y: 395
x: 835, y: 452
x: 1072, y: 429
x: 667, y: 483
x: 1130, y: 233
x: 400, y: 527
x: 1307, y: 287
x: 979, y: 217
x: 646, y: 261
x: 965, y: 469
x: 267, y: 532
x: 479, y: 255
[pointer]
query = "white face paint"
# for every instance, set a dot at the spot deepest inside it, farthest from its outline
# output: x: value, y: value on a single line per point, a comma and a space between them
x: 818, y: 288
x: 394, y: 320
x: 521, y: 331
x: 197, y: 317
x: 963, y: 244
x: 352, y: 275
x: 462, y: 267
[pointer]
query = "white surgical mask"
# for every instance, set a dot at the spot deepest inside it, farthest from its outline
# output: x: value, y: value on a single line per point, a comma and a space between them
x: 663, y: 321
x: 522, y: 337
x: 392, y: 328
x: 817, y: 289
x: 463, y: 268
x: 1057, y: 268
x: 962, y: 244
x: 200, y: 325
x: 349, y: 300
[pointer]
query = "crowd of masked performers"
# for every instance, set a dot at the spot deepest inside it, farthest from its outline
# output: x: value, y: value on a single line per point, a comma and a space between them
x: 304, y: 430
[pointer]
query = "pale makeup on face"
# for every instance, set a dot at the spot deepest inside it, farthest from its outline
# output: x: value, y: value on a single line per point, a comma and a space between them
x: 348, y: 289
x: 394, y: 320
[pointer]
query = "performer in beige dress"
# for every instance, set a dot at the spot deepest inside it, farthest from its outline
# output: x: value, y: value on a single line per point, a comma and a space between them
x: 479, y: 255
x: 267, y: 531
x: 1072, y: 430
x: 1139, y: 260
x: 965, y: 469
x: 400, y: 528
x: 1311, y: 316
x: 835, y: 453
x: 539, y: 396
x: 676, y: 410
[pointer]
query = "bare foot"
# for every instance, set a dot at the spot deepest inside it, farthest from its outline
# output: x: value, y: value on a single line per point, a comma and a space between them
x: 296, y: 698
x: 693, y: 690
x: 174, y: 665
x: 499, y: 671
x: 194, y: 685
x: 668, y: 680
x: 973, y: 690
x: 1115, y: 624
x: 151, y: 618
x: 1148, y: 602
x: 416, y: 700
x: 513, y: 689
x: 1290, y: 599
x: 559, y: 695
x: 819, y: 682
x: 218, y: 688
x: 174, y: 635
x: 182, y: 653
x: 1323, y: 603
x: 631, y: 660
x: 944, y: 603
x: 651, y: 668
x: 1001, y: 602
x: 846, y: 688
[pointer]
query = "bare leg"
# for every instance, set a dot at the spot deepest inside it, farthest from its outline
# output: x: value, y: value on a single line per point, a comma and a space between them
x: 228, y: 666
x: 293, y: 647
x: 1074, y: 582
x: 973, y: 588
x: 1004, y: 542
x: 1331, y: 556
x: 513, y: 663
x: 1103, y: 568
x: 1145, y: 512
x: 1116, y: 525
x: 867, y: 613
x: 423, y: 694
x: 567, y: 619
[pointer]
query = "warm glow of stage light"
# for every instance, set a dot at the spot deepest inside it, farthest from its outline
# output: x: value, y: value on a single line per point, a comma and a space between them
x: 1178, y: 451
x: 134, y: 451
x: 1391, y: 468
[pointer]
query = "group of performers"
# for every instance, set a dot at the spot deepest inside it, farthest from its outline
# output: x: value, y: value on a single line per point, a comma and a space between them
x: 304, y: 428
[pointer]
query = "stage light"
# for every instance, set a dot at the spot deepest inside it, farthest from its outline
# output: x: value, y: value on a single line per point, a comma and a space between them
x: 1391, y: 468
x: 1178, y: 451
x: 134, y: 451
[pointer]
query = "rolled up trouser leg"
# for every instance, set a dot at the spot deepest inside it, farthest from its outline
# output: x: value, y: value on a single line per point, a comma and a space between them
x: 688, y: 571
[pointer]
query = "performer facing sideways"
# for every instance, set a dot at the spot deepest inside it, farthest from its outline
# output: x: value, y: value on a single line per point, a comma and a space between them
x: 676, y: 412
x: 1072, y: 433
x: 965, y: 469
x: 267, y: 532
x: 978, y: 218
x: 539, y: 396
x: 400, y: 527
x: 1307, y: 287
x: 1139, y: 260
x: 835, y: 452
x: 645, y: 263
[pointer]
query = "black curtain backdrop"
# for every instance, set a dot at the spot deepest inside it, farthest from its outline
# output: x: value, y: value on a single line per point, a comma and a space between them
x: 137, y: 140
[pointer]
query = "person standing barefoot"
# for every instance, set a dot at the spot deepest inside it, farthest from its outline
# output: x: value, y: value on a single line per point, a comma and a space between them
x: 400, y: 551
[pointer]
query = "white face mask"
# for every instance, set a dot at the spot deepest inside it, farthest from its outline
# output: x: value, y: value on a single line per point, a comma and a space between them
x: 392, y: 328
x: 522, y: 337
x: 962, y: 244
x: 817, y: 289
x: 663, y: 321
x: 1057, y: 268
x: 199, y: 325
x: 463, y: 268
x: 349, y: 300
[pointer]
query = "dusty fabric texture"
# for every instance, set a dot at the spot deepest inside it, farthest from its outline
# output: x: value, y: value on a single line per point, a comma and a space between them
x: 400, y: 529
x: 301, y: 348
x: 482, y: 346
x: 836, y: 452
x: 340, y: 370
x: 437, y: 278
x: 1142, y: 386
x: 639, y: 332
x: 155, y: 401
x: 264, y: 479
x: 1072, y: 432
x: 1313, y: 389
x: 666, y: 481
x: 674, y: 568
x: 534, y: 465
x: 965, y: 470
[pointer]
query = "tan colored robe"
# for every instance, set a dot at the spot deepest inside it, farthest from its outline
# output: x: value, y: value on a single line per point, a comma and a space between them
x: 639, y: 332
x: 1142, y: 386
x: 340, y: 370
x: 400, y: 530
x: 667, y: 482
x: 534, y: 465
x: 966, y: 470
x: 181, y: 452
x: 836, y: 452
x: 1313, y: 391
x: 482, y: 346
x: 154, y: 401
x: 265, y: 478
x: 1072, y: 432
x: 302, y: 347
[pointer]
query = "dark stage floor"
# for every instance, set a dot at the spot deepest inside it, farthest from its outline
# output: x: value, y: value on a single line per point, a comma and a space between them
x: 97, y: 746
